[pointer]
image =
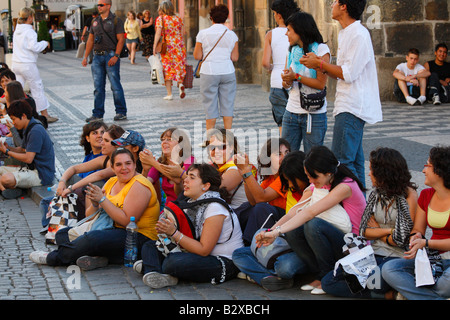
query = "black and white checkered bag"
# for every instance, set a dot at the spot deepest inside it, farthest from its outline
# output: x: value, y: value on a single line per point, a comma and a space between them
x: 62, y: 213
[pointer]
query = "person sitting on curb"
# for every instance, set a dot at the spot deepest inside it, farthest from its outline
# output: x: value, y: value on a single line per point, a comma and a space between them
x: 36, y: 151
x: 439, y: 80
x: 411, y: 80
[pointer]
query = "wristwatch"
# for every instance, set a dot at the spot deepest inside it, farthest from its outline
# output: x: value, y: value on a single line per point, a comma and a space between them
x: 246, y: 175
x: 6, y: 151
x: 117, y: 55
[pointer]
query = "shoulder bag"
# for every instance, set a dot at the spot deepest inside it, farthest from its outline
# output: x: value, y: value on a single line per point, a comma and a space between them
x: 161, y: 47
x: 100, y: 220
x: 199, y: 65
x: 124, y: 52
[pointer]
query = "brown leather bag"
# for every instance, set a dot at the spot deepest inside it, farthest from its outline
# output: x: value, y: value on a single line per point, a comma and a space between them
x: 161, y: 47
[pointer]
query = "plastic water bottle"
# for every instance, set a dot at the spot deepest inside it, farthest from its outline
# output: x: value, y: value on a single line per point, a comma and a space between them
x: 52, y: 188
x: 130, y: 256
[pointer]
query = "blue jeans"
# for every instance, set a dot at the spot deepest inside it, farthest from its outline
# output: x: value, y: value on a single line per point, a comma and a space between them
x: 278, y: 98
x: 318, y: 244
x: 286, y: 265
x: 347, y: 143
x: 295, y: 126
x: 399, y: 274
x: 188, y: 266
x: 100, y: 70
x: 337, y: 286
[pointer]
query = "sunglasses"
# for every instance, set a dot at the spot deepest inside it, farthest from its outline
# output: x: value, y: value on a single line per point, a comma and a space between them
x: 101, y: 5
x: 218, y: 147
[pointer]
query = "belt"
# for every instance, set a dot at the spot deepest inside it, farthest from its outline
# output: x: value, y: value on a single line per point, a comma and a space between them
x: 101, y: 53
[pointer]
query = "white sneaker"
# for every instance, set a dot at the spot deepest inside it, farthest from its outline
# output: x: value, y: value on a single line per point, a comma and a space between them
x: 436, y: 100
x: 39, y: 257
x: 158, y: 280
x: 168, y: 97
x: 412, y: 101
x: 138, y: 266
x: 422, y: 99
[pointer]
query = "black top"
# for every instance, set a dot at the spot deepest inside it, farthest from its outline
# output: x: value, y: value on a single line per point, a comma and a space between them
x: 111, y: 25
x: 148, y: 30
x: 442, y: 71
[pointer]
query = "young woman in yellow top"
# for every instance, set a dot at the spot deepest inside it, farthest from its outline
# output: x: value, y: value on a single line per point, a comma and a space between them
x: 123, y: 196
x: 132, y: 28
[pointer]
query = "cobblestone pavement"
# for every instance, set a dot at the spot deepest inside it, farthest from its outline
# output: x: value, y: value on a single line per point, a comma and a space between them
x: 412, y: 130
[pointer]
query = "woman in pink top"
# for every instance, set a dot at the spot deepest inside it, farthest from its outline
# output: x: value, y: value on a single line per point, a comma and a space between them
x: 171, y: 166
x: 317, y: 242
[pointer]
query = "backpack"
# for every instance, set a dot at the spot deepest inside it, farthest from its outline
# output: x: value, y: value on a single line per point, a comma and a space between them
x: 175, y: 210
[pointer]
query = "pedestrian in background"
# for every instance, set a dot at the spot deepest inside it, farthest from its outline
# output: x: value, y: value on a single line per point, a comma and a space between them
x: 106, y: 38
x: 134, y: 37
x: 24, y: 60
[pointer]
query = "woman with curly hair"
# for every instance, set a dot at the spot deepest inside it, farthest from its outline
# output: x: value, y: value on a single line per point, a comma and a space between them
x: 387, y: 220
x: 433, y: 211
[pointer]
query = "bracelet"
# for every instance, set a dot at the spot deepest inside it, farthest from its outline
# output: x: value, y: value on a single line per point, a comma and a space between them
x: 181, y: 237
x: 387, y: 240
x: 7, y: 151
x: 70, y: 188
x: 246, y: 175
x: 102, y: 199
x: 278, y: 228
x: 181, y: 177
x: 426, y: 243
x: 176, y: 230
x: 299, y: 77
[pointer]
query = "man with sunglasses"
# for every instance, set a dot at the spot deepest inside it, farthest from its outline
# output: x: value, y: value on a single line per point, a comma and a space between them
x: 106, y: 38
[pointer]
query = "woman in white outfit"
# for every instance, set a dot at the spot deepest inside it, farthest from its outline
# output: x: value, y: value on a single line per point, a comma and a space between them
x: 218, y: 79
x: 276, y: 45
x: 25, y: 53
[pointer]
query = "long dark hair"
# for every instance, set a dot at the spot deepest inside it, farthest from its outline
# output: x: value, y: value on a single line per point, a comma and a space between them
x: 390, y: 170
x: 440, y: 159
x: 87, y: 129
x: 285, y: 7
x: 291, y: 169
x: 322, y: 160
x: 306, y: 28
x: 266, y: 151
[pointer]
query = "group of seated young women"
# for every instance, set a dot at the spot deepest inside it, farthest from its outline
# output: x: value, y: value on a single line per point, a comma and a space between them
x: 394, y: 218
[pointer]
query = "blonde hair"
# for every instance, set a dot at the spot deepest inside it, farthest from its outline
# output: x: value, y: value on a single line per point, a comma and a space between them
x: 24, y: 14
x: 167, y: 8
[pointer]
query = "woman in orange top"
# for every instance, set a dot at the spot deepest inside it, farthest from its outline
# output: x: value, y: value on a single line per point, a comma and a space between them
x: 267, y: 197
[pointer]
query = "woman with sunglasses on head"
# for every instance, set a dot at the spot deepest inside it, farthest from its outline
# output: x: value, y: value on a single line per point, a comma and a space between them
x: 171, y: 166
x: 387, y: 220
x: 433, y: 211
x: 288, y: 264
x: 207, y: 256
x: 317, y: 242
x: 222, y: 148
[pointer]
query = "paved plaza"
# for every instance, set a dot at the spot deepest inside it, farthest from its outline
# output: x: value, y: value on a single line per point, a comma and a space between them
x: 69, y: 88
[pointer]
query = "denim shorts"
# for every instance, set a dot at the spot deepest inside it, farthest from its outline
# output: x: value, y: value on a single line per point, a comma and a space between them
x: 279, y: 99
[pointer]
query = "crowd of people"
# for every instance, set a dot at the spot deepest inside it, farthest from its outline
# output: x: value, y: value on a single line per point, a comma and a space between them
x: 305, y: 201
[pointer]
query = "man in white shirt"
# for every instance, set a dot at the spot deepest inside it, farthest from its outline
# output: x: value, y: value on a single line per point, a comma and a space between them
x: 411, y: 80
x: 357, y: 94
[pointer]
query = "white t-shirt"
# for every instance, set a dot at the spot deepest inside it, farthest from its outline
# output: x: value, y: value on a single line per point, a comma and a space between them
x: 293, y: 104
x: 403, y: 67
x: 280, y: 46
x: 225, y: 247
x: 219, y: 60
x: 239, y: 195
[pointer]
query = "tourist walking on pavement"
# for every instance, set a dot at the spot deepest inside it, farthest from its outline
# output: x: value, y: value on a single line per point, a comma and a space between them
x: 106, y: 38
x: 24, y: 60
x: 170, y: 29
x: 217, y: 46
x: 357, y: 94
x: 276, y: 45
x: 134, y: 37
x: 148, y: 34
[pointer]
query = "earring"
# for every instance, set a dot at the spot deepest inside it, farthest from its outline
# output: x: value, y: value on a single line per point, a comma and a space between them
x: 203, y: 189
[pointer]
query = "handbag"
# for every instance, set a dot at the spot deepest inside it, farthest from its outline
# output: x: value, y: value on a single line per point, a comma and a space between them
x: 199, y: 64
x: 62, y: 213
x: 189, y: 77
x: 161, y: 47
x: 81, y: 50
x: 100, y: 220
x: 157, y: 69
x: 267, y: 255
x: 358, y: 263
x: 313, y: 101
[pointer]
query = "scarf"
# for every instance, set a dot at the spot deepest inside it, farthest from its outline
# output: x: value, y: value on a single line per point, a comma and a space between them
x: 296, y: 54
x: 197, y: 213
x: 403, y: 223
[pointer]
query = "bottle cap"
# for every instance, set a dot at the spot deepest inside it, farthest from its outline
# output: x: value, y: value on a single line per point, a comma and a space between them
x: 132, y: 219
x: 49, y: 189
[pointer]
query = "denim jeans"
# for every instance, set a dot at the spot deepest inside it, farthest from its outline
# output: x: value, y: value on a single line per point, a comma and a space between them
x: 278, y: 98
x: 347, y: 143
x: 399, y: 274
x: 337, y: 286
x: 318, y: 244
x: 435, y: 87
x: 188, y: 266
x: 100, y: 70
x: 286, y: 265
x: 106, y: 243
x: 295, y: 127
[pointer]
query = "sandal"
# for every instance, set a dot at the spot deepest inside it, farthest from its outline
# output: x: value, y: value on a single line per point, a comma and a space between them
x: 182, y: 93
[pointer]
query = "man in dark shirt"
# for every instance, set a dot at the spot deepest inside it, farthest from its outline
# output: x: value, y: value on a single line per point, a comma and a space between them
x: 439, y: 81
x: 106, y: 38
